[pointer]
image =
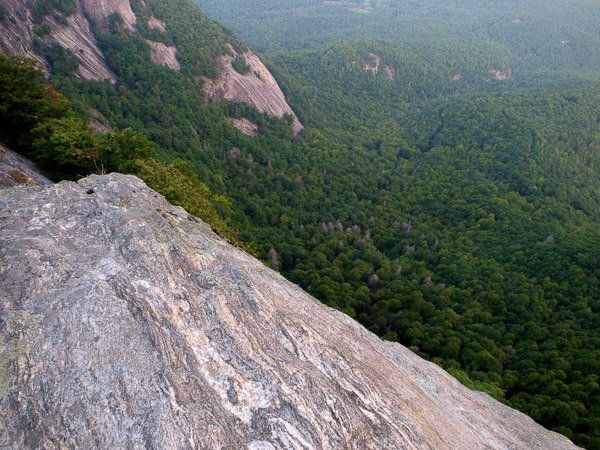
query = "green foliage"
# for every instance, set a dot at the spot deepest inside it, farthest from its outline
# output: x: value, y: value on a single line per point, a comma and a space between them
x: 66, y: 148
x: 42, y: 8
x: 24, y: 102
x: 42, y: 30
x: 488, y: 388
x: 69, y: 148
x: 37, y: 45
x: 542, y: 35
x: 61, y: 18
x: 62, y: 61
x: 199, y: 40
x: 240, y: 65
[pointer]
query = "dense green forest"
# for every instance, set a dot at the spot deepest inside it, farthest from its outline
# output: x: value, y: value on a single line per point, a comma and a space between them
x: 444, y: 206
x: 545, y: 35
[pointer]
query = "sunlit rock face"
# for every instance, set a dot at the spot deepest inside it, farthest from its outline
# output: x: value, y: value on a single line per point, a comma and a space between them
x: 18, y: 28
x: 127, y: 323
x: 257, y: 87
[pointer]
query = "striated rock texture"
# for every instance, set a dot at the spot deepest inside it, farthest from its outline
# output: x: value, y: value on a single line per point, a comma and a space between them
x: 99, y: 10
x: 77, y: 36
x: 15, y: 170
x: 258, y: 87
x: 127, y: 323
x: 244, y: 125
x: 163, y: 55
x: 17, y: 31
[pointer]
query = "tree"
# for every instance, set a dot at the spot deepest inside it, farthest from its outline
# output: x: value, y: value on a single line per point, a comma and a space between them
x: 25, y: 102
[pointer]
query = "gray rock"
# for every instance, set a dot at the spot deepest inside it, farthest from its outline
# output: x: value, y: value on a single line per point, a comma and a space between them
x: 127, y: 323
x: 15, y: 170
x: 17, y: 32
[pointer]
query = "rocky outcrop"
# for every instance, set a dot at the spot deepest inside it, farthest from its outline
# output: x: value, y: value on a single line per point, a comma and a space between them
x: 127, y: 323
x: 500, y: 75
x: 163, y: 55
x: 99, y: 10
x: 15, y: 170
x: 17, y: 31
x: 154, y: 23
x: 77, y: 36
x: 244, y: 125
x: 257, y: 87
x: 374, y: 64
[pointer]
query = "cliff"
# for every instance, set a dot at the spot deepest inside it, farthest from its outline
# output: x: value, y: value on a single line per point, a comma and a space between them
x: 18, y: 28
x: 15, y: 170
x: 125, y: 322
x: 73, y: 31
x: 257, y: 87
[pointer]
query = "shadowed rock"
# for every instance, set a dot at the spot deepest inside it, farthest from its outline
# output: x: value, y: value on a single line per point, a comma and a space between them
x: 127, y: 323
x: 15, y: 170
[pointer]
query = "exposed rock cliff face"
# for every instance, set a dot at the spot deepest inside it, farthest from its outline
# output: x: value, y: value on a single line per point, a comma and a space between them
x: 15, y: 170
x: 77, y: 36
x: 244, y: 125
x: 17, y: 28
x: 17, y: 31
x: 257, y: 87
x: 99, y: 10
x: 127, y: 323
x: 163, y: 55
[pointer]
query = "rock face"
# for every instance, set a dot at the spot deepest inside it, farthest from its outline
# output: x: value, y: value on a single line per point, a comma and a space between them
x: 99, y: 10
x: 244, y: 125
x: 77, y: 36
x: 127, y: 323
x: 163, y: 55
x: 15, y: 170
x: 17, y: 31
x: 257, y: 87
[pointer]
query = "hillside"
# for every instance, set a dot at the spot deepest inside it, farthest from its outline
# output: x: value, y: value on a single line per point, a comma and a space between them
x: 158, y: 333
x: 74, y: 37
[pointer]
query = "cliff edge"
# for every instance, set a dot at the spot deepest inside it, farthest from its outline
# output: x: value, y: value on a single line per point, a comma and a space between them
x: 125, y: 322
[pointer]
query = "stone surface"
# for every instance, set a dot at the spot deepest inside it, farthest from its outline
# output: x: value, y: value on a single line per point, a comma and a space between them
x: 163, y: 55
x: 17, y: 31
x: 99, y: 10
x: 246, y: 126
x: 77, y: 36
x: 15, y: 170
x: 258, y: 87
x: 127, y: 323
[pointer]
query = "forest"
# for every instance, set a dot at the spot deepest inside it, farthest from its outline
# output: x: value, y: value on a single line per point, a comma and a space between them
x: 445, y: 192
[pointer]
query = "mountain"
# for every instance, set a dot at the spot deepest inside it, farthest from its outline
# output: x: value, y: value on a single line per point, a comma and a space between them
x: 126, y: 322
x: 45, y: 29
